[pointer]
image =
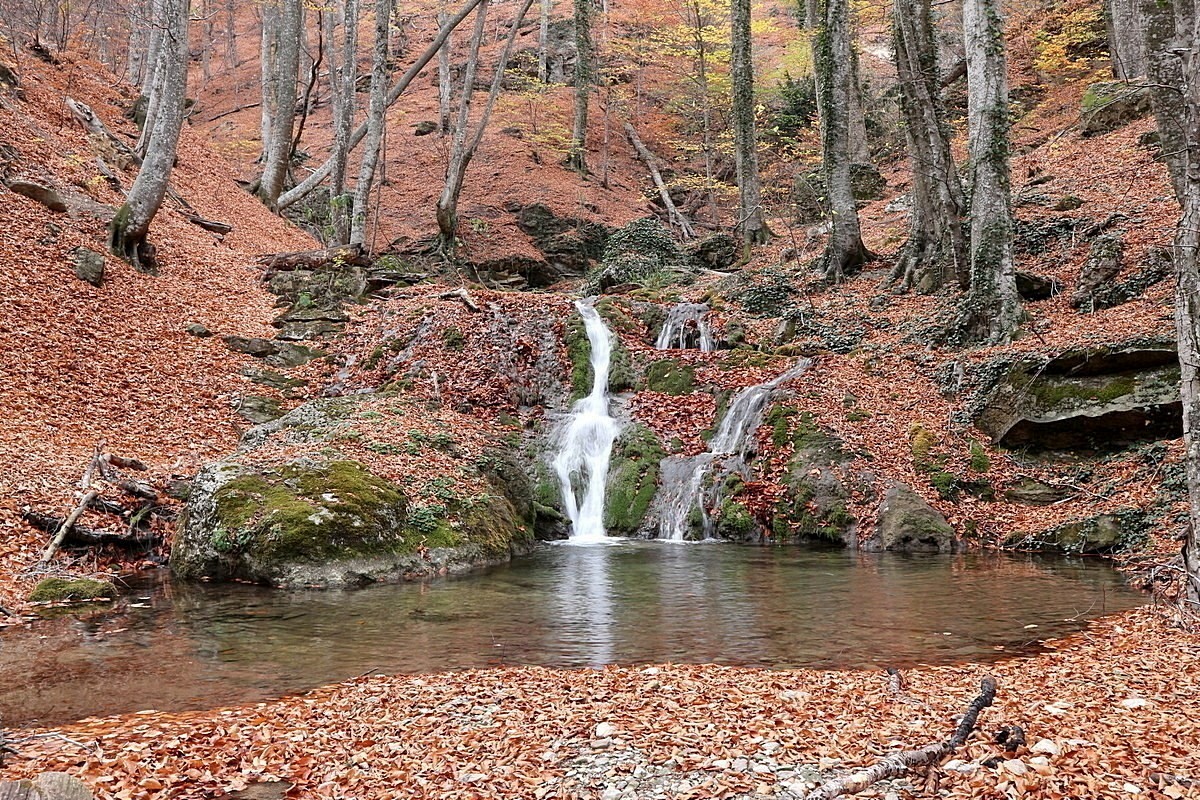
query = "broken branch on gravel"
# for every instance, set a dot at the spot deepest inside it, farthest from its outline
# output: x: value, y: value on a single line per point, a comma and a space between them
x: 900, y: 763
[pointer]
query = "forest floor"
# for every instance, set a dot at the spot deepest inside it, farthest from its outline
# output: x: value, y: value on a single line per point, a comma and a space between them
x: 1112, y: 712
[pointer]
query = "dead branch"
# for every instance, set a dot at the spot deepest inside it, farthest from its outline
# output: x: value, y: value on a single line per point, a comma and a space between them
x: 66, y: 527
x: 216, y: 117
x: 210, y: 225
x: 121, y: 462
x: 673, y: 213
x: 462, y: 294
x: 87, y: 537
x: 900, y: 763
x: 138, y: 489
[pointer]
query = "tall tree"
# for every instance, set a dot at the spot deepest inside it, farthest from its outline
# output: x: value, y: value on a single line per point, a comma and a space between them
x: 281, y: 34
x: 444, y: 79
x: 1172, y: 34
x: 845, y: 253
x: 936, y: 249
x: 745, y: 137
x: 465, y: 142
x: 343, y: 77
x: 991, y: 307
x: 584, y: 78
x: 131, y: 225
x: 1126, y: 44
x: 376, y: 113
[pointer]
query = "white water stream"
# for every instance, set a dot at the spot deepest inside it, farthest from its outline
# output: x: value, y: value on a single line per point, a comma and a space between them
x: 586, y: 441
x: 682, y: 504
x: 686, y: 328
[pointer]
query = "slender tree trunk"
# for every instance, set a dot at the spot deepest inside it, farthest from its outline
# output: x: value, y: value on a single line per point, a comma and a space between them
x: 376, y: 113
x: 936, y: 250
x: 268, y: 58
x: 344, y: 77
x: 322, y: 172
x: 135, y: 66
x: 230, y: 34
x: 584, y: 78
x: 278, y: 149
x: 860, y: 147
x: 745, y: 137
x: 1126, y: 44
x: 991, y: 307
x: 1172, y: 37
x: 131, y: 225
x: 544, y: 41
x: 445, y: 89
x: 814, y: 20
x: 845, y: 253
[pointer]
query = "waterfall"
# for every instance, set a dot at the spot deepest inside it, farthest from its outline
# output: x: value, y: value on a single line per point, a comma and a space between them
x: 586, y: 441
x: 682, y: 500
x: 686, y: 328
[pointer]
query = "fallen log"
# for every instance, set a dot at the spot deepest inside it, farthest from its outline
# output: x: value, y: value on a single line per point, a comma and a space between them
x: 675, y: 216
x: 138, y: 489
x: 210, y: 225
x: 352, y: 254
x: 86, y: 537
x: 900, y: 763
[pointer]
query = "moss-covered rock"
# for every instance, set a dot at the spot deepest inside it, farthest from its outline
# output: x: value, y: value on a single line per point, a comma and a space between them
x: 908, y: 523
x: 670, y: 377
x: 621, y: 375
x: 814, y: 506
x: 643, y: 252
x: 67, y: 590
x: 632, y: 479
x: 1115, y: 532
x: 1108, y: 105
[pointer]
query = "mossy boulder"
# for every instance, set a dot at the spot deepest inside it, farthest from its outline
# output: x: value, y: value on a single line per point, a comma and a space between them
x: 814, y: 506
x: 1108, y: 105
x: 632, y: 479
x: 643, y: 252
x: 907, y: 523
x: 1093, y: 398
x: 69, y: 590
x: 670, y: 377
x: 1114, y: 532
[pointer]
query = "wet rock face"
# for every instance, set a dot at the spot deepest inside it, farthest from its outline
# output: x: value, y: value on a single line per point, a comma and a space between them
x: 1093, y: 399
x: 907, y: 523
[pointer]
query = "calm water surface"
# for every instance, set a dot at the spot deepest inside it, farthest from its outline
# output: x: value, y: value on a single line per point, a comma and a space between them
x: 199, y: 645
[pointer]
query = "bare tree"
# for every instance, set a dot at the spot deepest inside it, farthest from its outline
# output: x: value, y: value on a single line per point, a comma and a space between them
x: 544, y: 40
x: 280, y: 94
x: 584, y: 78
x: 376, y: 113
x: 1172, y: 34
x: 131, y: 225
x: 991, y: 308
x: 845, y: 252
x: 745, y: 138
x: 936, y: 249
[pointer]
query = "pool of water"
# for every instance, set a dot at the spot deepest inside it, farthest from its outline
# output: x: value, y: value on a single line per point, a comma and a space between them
x: 175, y: 646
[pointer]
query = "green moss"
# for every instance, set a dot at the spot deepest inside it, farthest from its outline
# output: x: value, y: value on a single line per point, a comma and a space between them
x: 310, y: 513
x: 671, y: 377
x: 453, y: 339
x: 921, y: 444
x: 632, y: 479
x: 579, y: 352
x: 978, y: 459
x: 60, y: 590
x: 734, y: 521
x: 1052, y: 394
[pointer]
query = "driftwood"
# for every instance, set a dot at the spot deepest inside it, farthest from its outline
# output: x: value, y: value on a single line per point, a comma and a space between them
x: 314, y: 259
x: 900, y: 763
x: 462, y: 294
x: 673, y: 213
x: 81, y: 536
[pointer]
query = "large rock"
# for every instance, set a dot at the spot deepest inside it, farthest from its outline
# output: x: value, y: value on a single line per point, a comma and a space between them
x: 1102, y: 266
x: 570, y: 245
x: 1108, y: 105
x: 1103, y: 533
x: 47, y: 786
x: 39, y: 193
x: 1092, y: 398
x: 908, y: 523
x: 292, y: 508
x: 632, y: 479
x: 89, y: 265
x: 814, y: 506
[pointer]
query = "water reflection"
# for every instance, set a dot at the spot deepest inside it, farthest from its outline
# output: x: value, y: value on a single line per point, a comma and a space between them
x: 197, y: 645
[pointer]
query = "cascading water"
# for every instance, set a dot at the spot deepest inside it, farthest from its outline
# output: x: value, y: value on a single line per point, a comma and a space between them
x: 586, y: 442
x: 682, y: 502
x: 687, y: 328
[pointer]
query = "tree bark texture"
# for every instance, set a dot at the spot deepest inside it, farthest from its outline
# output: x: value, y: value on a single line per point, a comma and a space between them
x: 936, y: 250
x: 1173, y: 57
x: 131, y: 225
x: 991, y: 307
x: 376, y: 114
x: 745, y: 138
x: 845, y: 253
x: 344, y: 75
x: 278, y: 148
x: 584, y: 78
x: 445, y: 88
x: 1126, y: 44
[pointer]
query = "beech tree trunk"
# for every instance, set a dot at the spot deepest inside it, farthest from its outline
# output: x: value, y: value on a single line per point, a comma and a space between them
x: 280, y: 92
x: 745, y: 137
x: 845, y: 253
x: 1173, y: 35
x: 991, y: 307
x: 343, y: 77
x: 376, y: 113
x: 1126, y: 44
x: 936, y: 249
x: 860, y: 148
x: 584, y: 56
x: 544, y: 41
x: 131, y: 225
x: 444, y: 82
x: 322, y: 172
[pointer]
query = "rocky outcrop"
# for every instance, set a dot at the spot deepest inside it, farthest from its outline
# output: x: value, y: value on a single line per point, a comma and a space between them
x: 1095, y: 398
x: 632, y: 480
x: 1110, y: 104
x: 570, y: 246
x: 908, y: 523
x: 303, y: 513
x: 1103, y: 533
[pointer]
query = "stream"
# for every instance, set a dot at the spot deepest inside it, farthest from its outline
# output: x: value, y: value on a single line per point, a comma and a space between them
x: 176, y: 646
